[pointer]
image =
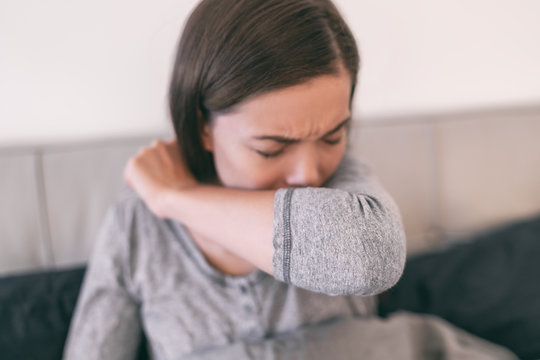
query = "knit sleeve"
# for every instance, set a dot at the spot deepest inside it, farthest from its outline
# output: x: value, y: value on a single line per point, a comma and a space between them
x: 345, y: 238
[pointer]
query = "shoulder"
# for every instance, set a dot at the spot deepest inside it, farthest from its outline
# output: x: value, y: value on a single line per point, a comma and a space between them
x: 139, y: 242
x: 351, y: 170
x: 128, y: 206
x: 141, y: 225
x: 127, y: 225
x: 353, y: 164
x: 127, y: 198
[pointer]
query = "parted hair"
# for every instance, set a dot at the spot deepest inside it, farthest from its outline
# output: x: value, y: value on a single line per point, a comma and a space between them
x: 233, y: 50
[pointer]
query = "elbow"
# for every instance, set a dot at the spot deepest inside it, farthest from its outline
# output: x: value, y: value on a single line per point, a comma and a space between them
x: 380, y: 257
x: 378, y: 274
x: 375, y: 259
x: 350, y: 244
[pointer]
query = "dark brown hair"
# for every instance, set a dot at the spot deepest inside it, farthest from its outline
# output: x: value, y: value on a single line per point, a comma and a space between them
x: 232, y: 50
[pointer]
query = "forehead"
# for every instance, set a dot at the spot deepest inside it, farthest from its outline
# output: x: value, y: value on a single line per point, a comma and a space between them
x: 300, y: 111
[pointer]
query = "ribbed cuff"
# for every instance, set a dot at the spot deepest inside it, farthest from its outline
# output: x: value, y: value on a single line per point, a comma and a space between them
x: 281, y: 238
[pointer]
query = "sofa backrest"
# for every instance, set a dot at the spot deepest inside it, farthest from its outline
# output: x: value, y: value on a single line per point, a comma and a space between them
x: 54, y: 198
x: 452, y: 175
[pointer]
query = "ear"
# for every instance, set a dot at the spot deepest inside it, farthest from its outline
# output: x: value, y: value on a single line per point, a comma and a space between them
x: 206, y: 134
x: 206, y: 138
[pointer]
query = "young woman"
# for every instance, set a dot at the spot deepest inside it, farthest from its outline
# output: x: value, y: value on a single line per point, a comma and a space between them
x: 253, y: 221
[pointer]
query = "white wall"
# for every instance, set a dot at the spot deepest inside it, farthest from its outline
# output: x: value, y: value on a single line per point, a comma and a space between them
x: 87, y: 69
x: 422, y: 56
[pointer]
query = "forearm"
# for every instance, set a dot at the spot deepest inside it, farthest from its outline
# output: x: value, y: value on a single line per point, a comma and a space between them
x: 326, y: 240
x: 239, y: 220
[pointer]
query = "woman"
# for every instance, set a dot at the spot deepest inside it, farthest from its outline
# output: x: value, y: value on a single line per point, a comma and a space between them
x: 262, y: 224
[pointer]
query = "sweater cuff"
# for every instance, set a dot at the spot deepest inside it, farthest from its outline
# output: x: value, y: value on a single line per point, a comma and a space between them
x: 281, y: 237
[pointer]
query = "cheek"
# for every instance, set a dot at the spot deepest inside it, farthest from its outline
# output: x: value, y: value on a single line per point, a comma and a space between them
x: 269, y: 175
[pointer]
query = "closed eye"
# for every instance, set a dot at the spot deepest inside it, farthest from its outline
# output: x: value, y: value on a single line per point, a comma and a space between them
x: 268, y: 155
x: 333, y: 142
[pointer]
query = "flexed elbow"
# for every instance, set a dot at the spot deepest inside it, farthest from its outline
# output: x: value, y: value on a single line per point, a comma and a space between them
x: 339, y: 243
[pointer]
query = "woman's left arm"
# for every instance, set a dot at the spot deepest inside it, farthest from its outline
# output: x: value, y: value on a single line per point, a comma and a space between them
x: 346, y: 238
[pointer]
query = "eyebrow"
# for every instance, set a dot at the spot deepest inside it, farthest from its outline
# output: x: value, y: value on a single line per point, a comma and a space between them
x: 287, y: 140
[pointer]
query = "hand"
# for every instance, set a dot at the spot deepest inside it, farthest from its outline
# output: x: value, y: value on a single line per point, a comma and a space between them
x: 155, y: 171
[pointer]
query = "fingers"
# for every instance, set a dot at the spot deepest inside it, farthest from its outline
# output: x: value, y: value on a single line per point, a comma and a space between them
x: 154, y: 145
x: 127, y: 172
x: 157, y: 149
x: 173, y: 141
x: 157, y: 143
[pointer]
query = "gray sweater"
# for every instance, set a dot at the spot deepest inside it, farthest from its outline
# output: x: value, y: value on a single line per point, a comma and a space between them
x: 147, y: 274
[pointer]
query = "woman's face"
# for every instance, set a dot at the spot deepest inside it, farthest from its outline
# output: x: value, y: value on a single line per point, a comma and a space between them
x: 285, y: 138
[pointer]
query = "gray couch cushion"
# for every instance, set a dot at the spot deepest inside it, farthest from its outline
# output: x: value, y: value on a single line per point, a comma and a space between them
x: 80, y: 183
x: 20, y: 230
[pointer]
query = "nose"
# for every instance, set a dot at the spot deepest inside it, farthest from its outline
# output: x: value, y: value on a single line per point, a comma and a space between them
x: 304, y: 171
